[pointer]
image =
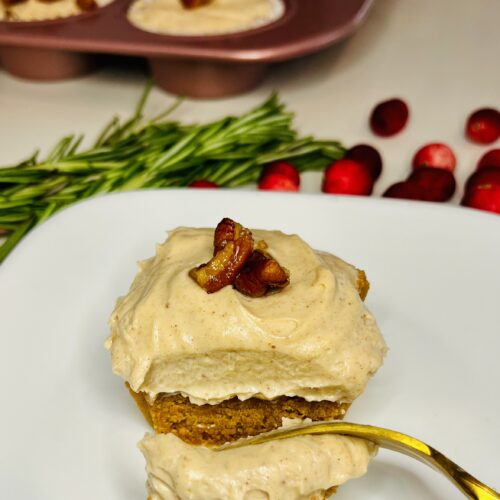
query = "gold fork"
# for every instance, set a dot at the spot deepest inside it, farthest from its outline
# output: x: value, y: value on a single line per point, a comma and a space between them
x: 392, y: 440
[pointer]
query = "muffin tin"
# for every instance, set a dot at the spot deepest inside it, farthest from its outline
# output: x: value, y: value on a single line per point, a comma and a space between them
x: 196, y: 66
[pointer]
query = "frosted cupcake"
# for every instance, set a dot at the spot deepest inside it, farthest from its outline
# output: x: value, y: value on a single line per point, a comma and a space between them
x: 226, y: 334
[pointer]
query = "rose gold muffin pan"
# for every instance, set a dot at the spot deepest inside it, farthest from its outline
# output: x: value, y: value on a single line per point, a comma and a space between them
x: 201, y: 66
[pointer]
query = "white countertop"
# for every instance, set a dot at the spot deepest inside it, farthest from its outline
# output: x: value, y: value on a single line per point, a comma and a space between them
x: 441, y: 57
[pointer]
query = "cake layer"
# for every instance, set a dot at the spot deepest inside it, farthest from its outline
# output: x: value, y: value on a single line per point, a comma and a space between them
x: 314, y: 339
x: 299, y: 468
x: 232, y: 419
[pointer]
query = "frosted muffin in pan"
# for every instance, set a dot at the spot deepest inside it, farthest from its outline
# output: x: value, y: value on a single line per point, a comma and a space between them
x: 40, y: 10
x: 170, y: 17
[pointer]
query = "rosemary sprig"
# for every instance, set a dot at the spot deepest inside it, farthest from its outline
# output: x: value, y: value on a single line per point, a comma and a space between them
x: 154, y: 153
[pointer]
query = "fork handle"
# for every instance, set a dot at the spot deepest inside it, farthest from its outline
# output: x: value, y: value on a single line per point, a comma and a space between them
x: 470, y: 486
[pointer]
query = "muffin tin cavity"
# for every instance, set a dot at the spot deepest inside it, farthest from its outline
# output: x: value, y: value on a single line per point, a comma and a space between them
x: 197, y: 66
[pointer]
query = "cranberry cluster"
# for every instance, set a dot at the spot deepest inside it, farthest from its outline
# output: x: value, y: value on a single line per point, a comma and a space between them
x: 431, y: 178
x: 433, y: 165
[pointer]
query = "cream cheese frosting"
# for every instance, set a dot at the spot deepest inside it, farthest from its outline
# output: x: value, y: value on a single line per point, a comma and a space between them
x: 35, y: 10
x: 298, y: 468
x: 219, y: 16
x: 314, y: 339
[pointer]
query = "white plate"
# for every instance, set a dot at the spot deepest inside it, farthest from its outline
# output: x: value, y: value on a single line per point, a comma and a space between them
x: 69, y: 429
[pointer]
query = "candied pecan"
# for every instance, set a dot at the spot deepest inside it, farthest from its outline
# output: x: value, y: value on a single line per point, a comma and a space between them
x: 227, y: 230
x: 192, y: 4
x: 86, y: 5
x: 233, y: 248
x: 260, y: 275
x: 10, y: 3
x: 362, y: 284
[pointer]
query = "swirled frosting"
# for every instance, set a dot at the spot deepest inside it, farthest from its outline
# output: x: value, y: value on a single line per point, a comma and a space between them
x: 314, y: 339
x: 298, y: 468
x: 37, y: 10
x: 169, y: 17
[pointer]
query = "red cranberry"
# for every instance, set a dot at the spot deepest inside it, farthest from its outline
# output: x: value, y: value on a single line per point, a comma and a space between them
x: 483, y: 126
x: 483, y: 197
x: 347, y: 177
x: 490, y: 159
x: 203, y: 183
x: 389, y: 117
x: 282, y: 167
x: 483, y: 176
x: 438, y: 184
x: 367, y: 156
x: 277, y: 182
x: 405, y: 190
x: 435, y: 155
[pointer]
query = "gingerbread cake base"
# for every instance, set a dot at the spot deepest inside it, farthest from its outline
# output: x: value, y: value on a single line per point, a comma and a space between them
x: 230, y: 420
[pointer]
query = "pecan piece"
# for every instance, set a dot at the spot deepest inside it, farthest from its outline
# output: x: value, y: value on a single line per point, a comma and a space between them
x: 86, y: 5
x: 362, y: 284
x: 193, y: 4
x: 261, y: 275
x: 233, y: 246
x: 227, y: 230
x: 10, y: 3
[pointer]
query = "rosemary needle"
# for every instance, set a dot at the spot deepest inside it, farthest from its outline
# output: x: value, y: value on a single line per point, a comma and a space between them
x: 153, y: 153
